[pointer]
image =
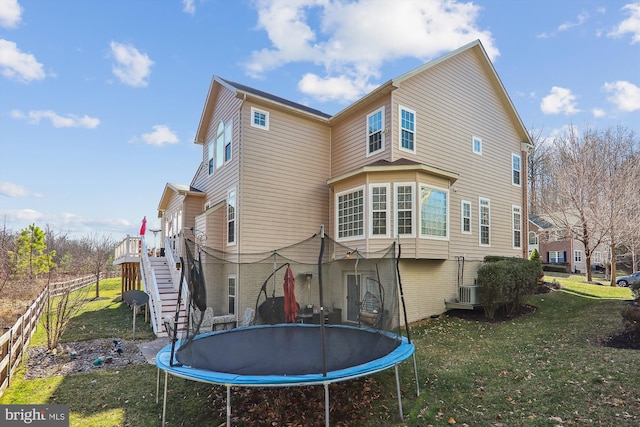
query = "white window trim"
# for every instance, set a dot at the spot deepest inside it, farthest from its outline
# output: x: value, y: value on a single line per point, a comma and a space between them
x: 211, y: 153
x: 387, y: 211
x: 366, y: 131
x: 577, y: 254
x: 364, y: 213
x: 514, y: 156
x: 235, y: 296
x: 231, y: 193
x: 462, y: 203
x: 428, y: 236
x: 413, y: 208
x: 266, y: 118
x: 230, y: 143
x: 415, y: 129
x: 514, y: 209
x: 473, y: 145
x: 480, y: 200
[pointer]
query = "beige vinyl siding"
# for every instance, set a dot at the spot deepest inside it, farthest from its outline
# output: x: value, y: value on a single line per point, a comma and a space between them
x: 349, y: 139
x: 282, y: 196
x: 454, y: 101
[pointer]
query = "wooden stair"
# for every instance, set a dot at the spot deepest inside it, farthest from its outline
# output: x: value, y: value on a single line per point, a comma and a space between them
x: 168, y: 296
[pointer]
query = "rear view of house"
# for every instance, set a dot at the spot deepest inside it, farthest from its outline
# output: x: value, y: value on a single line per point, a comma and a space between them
x: 434, y: 160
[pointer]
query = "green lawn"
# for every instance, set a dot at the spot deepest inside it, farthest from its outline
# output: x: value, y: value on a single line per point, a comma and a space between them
x: 545, y: 369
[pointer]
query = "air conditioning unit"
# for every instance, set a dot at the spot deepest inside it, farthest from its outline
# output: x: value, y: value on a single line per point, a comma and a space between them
x: 469, y: 295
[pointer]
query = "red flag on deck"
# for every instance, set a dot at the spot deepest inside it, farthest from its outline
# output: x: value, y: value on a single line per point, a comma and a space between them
x: 143, y: 228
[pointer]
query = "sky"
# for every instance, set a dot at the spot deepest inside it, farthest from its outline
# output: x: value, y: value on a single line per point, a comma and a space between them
x: 100, y: 100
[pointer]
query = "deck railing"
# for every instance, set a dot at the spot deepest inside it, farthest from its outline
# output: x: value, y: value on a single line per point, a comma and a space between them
x: 129, y: 250
x: 151, y: 288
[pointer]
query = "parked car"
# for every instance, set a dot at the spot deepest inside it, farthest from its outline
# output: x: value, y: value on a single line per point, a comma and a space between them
x: 628, y: 280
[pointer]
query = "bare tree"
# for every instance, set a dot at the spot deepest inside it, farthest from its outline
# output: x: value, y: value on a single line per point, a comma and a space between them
x: 98, y: 249
x: 596, y: 179
x: 573, y: 201
x: 537, y: 165
x: 620, y: 205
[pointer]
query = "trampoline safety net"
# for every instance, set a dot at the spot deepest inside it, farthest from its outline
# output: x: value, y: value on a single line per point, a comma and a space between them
x: 320, y: 285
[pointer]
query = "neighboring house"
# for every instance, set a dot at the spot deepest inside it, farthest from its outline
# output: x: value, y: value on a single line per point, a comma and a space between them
x: 435, y: 159
x: 555, y: 247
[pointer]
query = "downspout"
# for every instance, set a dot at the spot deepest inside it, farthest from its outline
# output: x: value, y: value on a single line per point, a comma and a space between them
x: 524, y: 150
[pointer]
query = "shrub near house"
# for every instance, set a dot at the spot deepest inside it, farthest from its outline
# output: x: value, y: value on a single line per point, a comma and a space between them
x: 506, y: 282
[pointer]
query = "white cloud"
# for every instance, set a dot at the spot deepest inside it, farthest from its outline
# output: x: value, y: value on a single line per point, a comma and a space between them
x: 65, y: 222
x: 559, y: 101
x: 598, y: 112
x: 629, y: 25
x: 161, y: 135
x: 624, y: 95
x: 70, y: 121
x: 189, y: 7
x: 10, y: 13
x: 10, y: 189
x: 132, y: 67
x: 355, y: 38
x: 16, y: 65
x: 581, y: 19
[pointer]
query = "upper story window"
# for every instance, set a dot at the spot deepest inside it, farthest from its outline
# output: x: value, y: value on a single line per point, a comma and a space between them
x: 533, y: 238
x: 231, y: 217
x: 485, y: 222
x: 516, y: 222
x: 465, y: 213
x: 434, y: 217
x: 219, y: 148
x: 515, y: 168
x: 259, y: 118
x: 350, y: 214
x: 597, y: 257
x: 404, y: 209
x: 379, y: 212
x: 476, y: 144
x: 577, y: 256
x: 375, y: 131
x: 228, y: 136
x: 407, y: 129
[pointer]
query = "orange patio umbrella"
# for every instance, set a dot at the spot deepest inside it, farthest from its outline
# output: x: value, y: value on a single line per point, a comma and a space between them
x: 290, y: 304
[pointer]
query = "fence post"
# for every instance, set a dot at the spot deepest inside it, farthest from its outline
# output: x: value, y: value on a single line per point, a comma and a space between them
x: 10, y: 357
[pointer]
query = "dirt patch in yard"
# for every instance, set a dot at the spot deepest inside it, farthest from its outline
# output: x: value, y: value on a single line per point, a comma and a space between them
x: 84, y: 356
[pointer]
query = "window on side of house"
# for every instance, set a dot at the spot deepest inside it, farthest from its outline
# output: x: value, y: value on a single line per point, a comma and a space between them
x: 533, y: 238
x: 259, y: 118
x: 375, y: 131
x: 434, y: 212
x: 228, y: 139
x: 379, y: 210
x: 465, y: 220
x: 407, y: 129
x: 556, y: 256
x: 516, y: 225
x: 232, y: 214
x: 210, y: 151
x: 597, y: 257
x: 476, y: 145
x: 577, y: 256
x: 515, y: 169
x: 404, y: 209
x: 231, y: 279
x: 485, y: 222
x: 219, y: 145
x: 350, y: 214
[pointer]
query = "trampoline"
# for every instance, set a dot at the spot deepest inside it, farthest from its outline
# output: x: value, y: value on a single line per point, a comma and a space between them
x: 292, y: 354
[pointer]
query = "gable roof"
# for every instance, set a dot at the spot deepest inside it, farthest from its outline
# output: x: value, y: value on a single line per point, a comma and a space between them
x: 180, y: 189
x: 477, y: 45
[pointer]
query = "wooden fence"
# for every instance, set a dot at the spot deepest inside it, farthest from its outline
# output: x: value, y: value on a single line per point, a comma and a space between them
x: 14, y: 342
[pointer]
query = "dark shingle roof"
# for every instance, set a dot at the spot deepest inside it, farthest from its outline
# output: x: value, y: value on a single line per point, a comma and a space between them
x: 277, y: 99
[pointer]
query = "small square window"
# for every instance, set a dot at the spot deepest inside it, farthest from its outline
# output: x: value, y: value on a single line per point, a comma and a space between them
x: 259, y: 118
x: 477, y: 145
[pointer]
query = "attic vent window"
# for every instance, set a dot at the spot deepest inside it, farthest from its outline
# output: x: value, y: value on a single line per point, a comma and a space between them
x: 259, y: 118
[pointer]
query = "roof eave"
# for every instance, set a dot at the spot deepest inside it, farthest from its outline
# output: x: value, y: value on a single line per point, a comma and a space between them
x: 451, y: 176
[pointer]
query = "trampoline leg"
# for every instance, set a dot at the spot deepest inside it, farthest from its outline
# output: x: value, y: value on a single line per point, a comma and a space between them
x: 415, y: 371
x: 158, y: 386
x: 399, y: 395
x: 326, y: 404
x: 228, y: 405
x: 164, y: 400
